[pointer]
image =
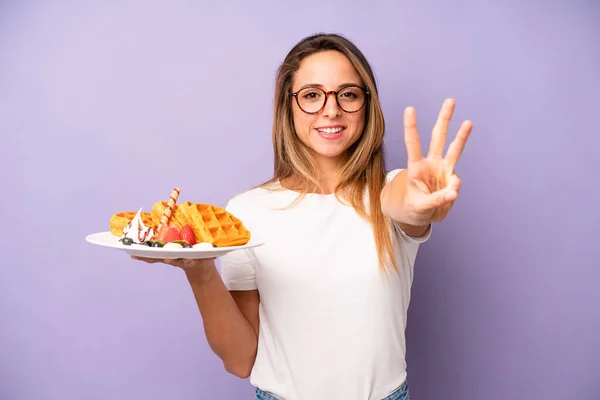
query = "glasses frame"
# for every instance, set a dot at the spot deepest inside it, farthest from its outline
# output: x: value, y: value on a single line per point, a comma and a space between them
x: 335, y: 92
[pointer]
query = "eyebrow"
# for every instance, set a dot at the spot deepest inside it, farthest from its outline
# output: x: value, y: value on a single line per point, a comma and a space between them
x: 343, y: 85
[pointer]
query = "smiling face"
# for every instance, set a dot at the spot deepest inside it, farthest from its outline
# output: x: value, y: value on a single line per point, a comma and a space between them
x: 329, y: 132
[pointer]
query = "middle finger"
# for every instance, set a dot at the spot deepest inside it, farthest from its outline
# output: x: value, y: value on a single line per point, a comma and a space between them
x: 440, y: 130
x: 178, y: 262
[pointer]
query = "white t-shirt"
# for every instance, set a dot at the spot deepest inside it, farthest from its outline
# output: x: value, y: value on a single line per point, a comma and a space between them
x: 332, y: 324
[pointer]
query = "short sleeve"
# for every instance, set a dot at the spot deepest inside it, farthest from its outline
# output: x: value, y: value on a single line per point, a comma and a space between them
x: 414, y: 239
x: 411, y: 239
x: 238, y: 267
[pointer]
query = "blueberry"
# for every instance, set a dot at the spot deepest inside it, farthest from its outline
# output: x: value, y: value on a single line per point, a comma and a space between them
x: 187, y: 246
x: 156, y: 244
x: 127, y: 241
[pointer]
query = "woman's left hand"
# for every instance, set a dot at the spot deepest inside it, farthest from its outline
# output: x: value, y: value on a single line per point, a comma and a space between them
x: 432, y: 185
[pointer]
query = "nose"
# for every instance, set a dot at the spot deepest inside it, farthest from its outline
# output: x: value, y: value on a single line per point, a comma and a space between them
x: 331, y: 108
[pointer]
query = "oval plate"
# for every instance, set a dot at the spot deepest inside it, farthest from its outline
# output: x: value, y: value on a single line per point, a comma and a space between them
x: 107, y: 239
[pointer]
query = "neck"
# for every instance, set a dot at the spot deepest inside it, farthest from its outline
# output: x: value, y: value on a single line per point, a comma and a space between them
x: 327, y: 169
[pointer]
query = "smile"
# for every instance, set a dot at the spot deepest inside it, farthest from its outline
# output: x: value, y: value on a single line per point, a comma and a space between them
x: 330, y: 130
x: 330, y: 133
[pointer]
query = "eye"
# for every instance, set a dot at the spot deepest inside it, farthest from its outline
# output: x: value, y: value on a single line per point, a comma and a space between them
x: 350, y: 94
x: 311, y: 95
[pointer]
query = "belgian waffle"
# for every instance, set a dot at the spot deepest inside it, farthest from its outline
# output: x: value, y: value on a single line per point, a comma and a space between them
x: 214, y: 224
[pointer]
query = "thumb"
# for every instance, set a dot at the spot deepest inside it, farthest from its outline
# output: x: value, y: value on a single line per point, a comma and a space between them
x: 436, y: 199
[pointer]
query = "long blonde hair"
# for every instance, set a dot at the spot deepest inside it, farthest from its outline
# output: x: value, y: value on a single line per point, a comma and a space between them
x: 364, y: 165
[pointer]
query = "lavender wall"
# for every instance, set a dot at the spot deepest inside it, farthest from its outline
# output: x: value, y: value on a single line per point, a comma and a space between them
x: 106, y: 107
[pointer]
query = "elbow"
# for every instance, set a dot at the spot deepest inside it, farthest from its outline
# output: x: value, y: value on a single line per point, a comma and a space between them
x: 239, y: 369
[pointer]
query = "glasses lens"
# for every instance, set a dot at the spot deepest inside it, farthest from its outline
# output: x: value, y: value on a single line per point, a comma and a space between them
x: 351, y: 99
x: 311, y: 100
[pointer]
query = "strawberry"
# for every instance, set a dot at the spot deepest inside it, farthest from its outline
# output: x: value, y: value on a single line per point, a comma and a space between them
x: 187, y: 234
x: 171, y: 235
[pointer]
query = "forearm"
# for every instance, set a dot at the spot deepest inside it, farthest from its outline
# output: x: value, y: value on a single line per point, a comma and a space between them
x: 229, y: 334
x: 392, y: 205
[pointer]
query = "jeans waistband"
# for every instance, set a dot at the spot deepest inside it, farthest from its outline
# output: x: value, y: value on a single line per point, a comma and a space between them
x: 400, y: 393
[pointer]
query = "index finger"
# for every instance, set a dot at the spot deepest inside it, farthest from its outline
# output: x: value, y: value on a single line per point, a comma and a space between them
x: 411, y: 135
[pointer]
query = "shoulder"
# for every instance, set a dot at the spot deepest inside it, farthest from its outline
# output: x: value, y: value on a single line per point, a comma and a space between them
x: 391, y: 174
x: 242, y: 202
x: 254, y: 206
x: 253, y: 200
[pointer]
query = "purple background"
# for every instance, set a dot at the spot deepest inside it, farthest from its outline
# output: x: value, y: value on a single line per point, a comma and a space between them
x: 105, y: 107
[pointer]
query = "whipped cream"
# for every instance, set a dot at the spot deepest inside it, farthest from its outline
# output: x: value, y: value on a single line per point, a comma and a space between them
x: 136, y: 230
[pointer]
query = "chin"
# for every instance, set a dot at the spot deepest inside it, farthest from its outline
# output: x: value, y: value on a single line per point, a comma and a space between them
x: 329, y: 153
x: 329, y: 149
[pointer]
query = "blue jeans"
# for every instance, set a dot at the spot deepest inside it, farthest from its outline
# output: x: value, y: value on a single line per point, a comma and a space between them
x: 400, y: 393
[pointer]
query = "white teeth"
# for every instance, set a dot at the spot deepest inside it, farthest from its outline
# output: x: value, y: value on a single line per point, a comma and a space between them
x: 330, y: 130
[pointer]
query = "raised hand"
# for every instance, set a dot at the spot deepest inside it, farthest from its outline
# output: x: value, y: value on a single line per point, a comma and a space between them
x: 432, y: 185
x: 189, y: 266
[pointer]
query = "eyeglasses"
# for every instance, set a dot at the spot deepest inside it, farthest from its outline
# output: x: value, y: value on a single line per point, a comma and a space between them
x: 312, y: 100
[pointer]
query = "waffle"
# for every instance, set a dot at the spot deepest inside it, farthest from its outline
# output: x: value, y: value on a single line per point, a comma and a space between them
x: 177, y: 219
x: 119, y: 221
x: 214, y: 224
x: 209, y: 223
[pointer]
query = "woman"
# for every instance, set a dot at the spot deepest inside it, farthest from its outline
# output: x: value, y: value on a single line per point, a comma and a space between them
x: 319, y: 311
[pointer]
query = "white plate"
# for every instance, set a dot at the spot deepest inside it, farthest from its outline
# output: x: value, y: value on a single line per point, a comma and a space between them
x: 107, y: 239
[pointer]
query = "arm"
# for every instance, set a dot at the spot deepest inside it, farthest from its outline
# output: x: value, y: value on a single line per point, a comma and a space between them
x: 230, y: 318
x: 392, y: 205
x: 425, y: 191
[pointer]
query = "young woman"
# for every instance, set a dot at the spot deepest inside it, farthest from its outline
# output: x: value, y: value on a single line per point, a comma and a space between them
x: 319, y: 311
